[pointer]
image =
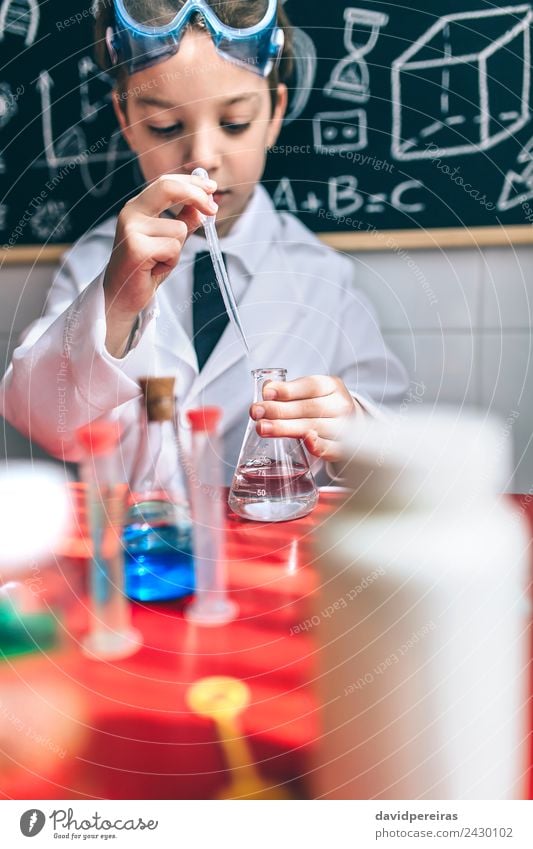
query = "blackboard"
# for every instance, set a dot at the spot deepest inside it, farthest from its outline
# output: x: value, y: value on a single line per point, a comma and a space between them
x: 63, y: 164
x: 402, y: 118
x: 424, y: 122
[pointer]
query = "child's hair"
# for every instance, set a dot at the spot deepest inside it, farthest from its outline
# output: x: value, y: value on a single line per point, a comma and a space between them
x: 237, y: 13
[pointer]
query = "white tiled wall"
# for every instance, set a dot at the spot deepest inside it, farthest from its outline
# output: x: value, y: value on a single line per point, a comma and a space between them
x: 22, y: 296
x: 459, y: 319
x: 445, y: 362
x: 469, y: 340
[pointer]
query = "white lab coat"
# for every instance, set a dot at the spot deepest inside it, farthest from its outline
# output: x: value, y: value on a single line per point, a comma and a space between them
x: 299, y: 307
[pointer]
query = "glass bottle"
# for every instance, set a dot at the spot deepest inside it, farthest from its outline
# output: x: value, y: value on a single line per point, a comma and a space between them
x: 432, y: 657
x: 272, y: 481
x: 158, y: 530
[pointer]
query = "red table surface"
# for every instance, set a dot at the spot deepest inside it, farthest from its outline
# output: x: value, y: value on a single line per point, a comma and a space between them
x: 134, y: 735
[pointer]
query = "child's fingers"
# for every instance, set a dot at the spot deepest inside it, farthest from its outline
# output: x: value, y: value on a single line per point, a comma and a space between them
x: 172, y: 189
x: 188, y: 215
x: 191, y: 218
x: 299, y: 428
x: 327, y: 449
x: 308, y: 409
x: 313, y: 386
x: 324, y: 406
x: 166, y: 228
x: 158, y: 249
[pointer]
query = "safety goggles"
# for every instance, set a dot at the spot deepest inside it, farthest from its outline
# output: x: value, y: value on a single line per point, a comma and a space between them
x: 140, y: 43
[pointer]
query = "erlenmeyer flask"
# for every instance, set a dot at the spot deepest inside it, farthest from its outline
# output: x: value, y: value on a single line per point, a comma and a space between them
x: 272, y: 481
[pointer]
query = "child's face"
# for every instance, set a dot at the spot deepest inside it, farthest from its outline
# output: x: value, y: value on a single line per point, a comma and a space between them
x: 198, y: 109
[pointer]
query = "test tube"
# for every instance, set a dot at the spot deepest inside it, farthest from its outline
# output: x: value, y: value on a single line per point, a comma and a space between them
x: 111, y: 635
x: 211, y: 605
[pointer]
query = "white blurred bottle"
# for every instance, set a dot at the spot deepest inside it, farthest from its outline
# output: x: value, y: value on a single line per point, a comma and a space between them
x: 423, y: 616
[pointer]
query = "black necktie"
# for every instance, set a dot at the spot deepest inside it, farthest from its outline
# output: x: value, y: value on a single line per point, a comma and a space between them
x: 209, y: 316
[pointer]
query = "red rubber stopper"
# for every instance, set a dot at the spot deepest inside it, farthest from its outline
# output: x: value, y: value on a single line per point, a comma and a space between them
x: 97, y: 438
x: 205, y: 418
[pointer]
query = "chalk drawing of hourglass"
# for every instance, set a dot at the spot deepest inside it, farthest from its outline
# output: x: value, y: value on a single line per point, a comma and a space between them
x: 350, y: 79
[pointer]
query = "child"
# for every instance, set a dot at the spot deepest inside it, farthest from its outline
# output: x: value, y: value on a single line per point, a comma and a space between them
x: 131, y: 299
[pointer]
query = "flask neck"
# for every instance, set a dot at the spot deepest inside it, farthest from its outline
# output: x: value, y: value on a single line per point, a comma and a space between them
x: 265, y: 375
x: 157, y: 463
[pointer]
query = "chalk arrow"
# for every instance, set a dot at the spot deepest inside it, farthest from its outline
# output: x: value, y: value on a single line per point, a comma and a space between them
x: 44, y: 84
x: 517, y: 188
x: 526, y: 154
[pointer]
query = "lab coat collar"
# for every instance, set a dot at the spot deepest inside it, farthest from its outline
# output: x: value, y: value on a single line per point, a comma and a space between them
x: 253, y: 237
x: 250, y: 237
x: 267, y: 311
x: 251, y: 240
x: 248, y: 241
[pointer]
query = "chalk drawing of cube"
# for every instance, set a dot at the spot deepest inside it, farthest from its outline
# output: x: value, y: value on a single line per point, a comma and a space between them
x: 464, y: 85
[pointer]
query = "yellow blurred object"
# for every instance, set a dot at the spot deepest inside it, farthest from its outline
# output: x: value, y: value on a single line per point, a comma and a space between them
x: 223, y: 699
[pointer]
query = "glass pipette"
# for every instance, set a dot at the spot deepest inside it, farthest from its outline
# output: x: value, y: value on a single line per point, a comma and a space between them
x: 220, y: 269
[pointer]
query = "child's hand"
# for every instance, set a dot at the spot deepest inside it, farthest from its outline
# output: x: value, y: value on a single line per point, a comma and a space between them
x: 308, y: 408
x: 148, y: 247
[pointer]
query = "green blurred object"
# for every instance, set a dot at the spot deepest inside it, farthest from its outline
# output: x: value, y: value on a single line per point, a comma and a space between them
x: 23, y: 633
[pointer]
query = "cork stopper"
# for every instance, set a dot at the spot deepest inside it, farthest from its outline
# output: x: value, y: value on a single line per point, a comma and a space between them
x: 158, y: 397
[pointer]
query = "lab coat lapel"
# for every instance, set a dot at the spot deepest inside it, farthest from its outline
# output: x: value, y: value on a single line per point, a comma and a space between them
x: 253, y: 241
x: 267, y: 311
x: 172, y: 339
